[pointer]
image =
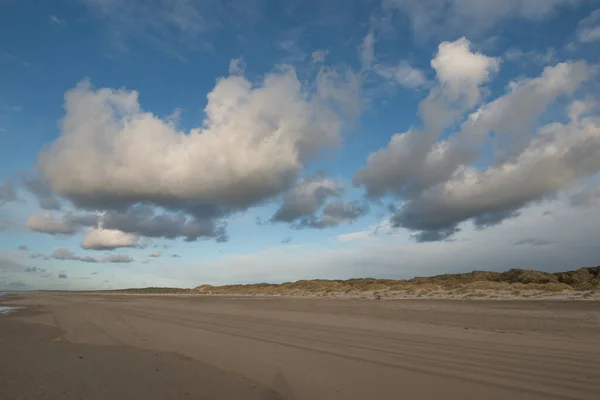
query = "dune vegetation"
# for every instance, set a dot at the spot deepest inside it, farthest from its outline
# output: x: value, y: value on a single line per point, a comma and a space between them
x: 515, y: 282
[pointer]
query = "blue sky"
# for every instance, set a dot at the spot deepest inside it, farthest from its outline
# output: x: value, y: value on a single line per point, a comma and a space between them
x: 151, y: 143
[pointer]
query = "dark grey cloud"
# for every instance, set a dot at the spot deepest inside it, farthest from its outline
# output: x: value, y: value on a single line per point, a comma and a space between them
x: 23, y: 247
x: 146, y: 221
x: 334, y: 214
x: 175, y: 256
x: 436, y: 235
x: 118, y: 258
x: 35, y: 270
x: 38, y: 255
x: 62, y: 275
x: 309, y: 204
x: 138, y: 220
x: 42, y: 192
x: 306, y: 198
x: 67, y: 255
x: 532, y: 242
x: 8, y: 192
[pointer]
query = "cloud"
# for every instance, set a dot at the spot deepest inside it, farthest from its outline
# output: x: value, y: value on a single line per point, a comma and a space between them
x: 384, y: 227
x: 286, y: 240
x: 8, y: 192
x: 307, y: 197
x: 135, y: 221
x: 46, y: 223
x: 237, y: 66
x: 253, y: 144
x: 156, y: 254
x: 435, y: 17
x: 458, y: 90
x: 541, y: 58
x: 14, y: 59
x: 301, y: 204
x: 56, y: 20
x: 62, y: 275
x: 335, y: 214
x: 461, y: 71
x: 403, y: 74
x: 164, y: 25
x: 586, y: 197
x: 35, y: 270
x: 43, y: 193
x: 533, y: 242
x: 67, y: 255
x: 118, y: 258
x: 107, y: 239
x: 435, y: 178
x: 294, y: 52
x: 23, y: 248
x: 318, y: 56
x: 367, y: 50
x: 146, y: 221
x: 589, y: 28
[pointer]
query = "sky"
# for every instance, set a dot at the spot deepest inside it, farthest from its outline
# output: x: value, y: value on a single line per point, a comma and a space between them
x: 187, y: 142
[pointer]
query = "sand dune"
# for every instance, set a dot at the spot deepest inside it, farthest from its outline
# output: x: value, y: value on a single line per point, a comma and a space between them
x: 304, y: 348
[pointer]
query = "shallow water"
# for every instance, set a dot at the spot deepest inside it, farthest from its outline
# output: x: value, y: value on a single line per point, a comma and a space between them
x: 5, y: 310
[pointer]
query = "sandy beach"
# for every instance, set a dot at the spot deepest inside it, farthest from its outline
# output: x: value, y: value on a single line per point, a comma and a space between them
x: 91, y: 346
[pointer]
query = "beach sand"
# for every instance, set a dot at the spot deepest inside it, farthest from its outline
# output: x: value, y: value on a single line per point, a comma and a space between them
x: 110, y: 346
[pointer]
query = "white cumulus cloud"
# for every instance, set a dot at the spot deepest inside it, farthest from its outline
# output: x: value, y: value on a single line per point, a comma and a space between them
x: 107, y: 239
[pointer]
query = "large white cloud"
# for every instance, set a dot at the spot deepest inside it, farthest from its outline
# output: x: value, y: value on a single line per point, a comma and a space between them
x: 107, y: 239
x: 435, y: 178
x: 461, y: 73
x: 254, y: 142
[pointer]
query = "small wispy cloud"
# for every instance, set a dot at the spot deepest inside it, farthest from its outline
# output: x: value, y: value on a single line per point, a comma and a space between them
x: 12, y: 108
x: 56, y: 20
x: 7, y: 57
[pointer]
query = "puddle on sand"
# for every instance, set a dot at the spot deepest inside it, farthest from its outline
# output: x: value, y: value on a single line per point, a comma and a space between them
x: 5, y: 310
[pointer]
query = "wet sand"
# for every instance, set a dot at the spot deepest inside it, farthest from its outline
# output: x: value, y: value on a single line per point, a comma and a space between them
x: 94, y: 346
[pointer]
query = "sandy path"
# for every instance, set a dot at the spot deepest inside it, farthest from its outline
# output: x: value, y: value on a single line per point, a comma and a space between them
x: 342, y: 349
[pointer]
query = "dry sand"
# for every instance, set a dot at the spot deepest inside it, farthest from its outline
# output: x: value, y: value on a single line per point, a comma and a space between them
x: 89, y: 346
